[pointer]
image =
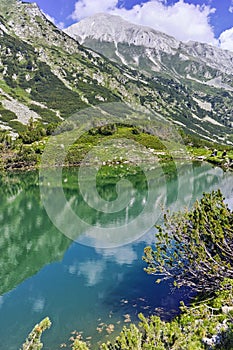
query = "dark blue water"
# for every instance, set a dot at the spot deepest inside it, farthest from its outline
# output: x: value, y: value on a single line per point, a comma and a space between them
x: 43, y: 273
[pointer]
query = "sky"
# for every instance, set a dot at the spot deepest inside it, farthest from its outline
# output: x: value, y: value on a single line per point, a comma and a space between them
x: 209, y: 21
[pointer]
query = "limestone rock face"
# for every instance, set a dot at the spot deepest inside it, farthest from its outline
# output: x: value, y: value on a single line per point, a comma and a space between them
x: 110, y: 28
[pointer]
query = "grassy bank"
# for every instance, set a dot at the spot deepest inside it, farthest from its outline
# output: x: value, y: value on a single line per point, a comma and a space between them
x: 114, y: 144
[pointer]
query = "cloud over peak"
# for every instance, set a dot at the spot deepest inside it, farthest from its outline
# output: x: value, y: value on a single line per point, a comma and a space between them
x: 181, y: 20
x: 86, y: 8
x: 226, y: 39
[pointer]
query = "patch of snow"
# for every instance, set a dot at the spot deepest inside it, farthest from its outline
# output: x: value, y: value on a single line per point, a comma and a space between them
x: 100, y: 98
x: 121, y: 58
x: 188, y: 76
x: 204, y: 136
x: 217, y: 82
x: 179, y: 123
x: 3, y: 28
x: 4, y: 127
x: 200, y: 127
x: 151, y: 58
x: 38, y: 104
x: 93, y: 53
x: 130, y: 76
x: 22, y: 112
x: 99, y: 78
x: 219, y: 137
x: 13, y: 134
x: 211, y: 120
x: 183, y: 57
x: 196, y: 117
x: 203, y: 104
x: 27, y: 77
x: 143, y: 81
x: 84, y: 99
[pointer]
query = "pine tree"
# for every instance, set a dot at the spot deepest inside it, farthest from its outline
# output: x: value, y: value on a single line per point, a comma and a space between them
x: 33, y: 341
x: 195, y: 248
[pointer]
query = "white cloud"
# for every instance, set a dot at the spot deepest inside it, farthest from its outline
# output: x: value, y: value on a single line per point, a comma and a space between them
x: 231, y: 7
x: 226, y: 39
x: 39, y: 305
x: 86, y: 8
x: 122, y: 255
x: 92, y: 270
x: 181, y: 20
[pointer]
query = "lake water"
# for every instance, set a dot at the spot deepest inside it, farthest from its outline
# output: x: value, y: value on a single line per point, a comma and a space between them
x: 81, y: 285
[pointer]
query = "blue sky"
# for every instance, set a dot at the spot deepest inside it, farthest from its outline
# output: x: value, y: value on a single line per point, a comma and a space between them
x: 201, y: 20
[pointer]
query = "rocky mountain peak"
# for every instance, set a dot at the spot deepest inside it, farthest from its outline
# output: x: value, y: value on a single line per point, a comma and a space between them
x: 111, y: 28
x: 141, y: 46
x: 46, y: 74
x: 28, y: 22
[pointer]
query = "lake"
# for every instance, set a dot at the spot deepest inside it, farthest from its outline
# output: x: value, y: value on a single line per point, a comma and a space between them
x: 96, y: 280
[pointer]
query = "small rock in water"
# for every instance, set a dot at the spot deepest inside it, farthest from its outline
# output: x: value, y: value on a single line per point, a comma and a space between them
x: 146, y: 307
x: 110, y: 328
x: 100, y: 330
x: 127, y: 318
x: 141, y: 299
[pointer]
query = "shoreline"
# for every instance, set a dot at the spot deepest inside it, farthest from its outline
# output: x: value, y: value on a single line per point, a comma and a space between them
x: 24, y: 166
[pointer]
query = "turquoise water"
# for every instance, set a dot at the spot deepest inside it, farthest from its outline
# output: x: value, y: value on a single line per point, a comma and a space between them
x: 81, y: 287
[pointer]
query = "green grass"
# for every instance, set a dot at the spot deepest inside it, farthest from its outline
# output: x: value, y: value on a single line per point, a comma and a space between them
x: 46, y: 115
x: 6, y: 115
x: 112, y: 145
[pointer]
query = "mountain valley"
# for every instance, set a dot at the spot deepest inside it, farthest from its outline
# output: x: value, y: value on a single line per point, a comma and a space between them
x: 48, y: 75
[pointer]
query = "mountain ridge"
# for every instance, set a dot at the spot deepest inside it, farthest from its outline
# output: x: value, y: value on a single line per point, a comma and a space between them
x: 45, y: 71
x: 110, y: 28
